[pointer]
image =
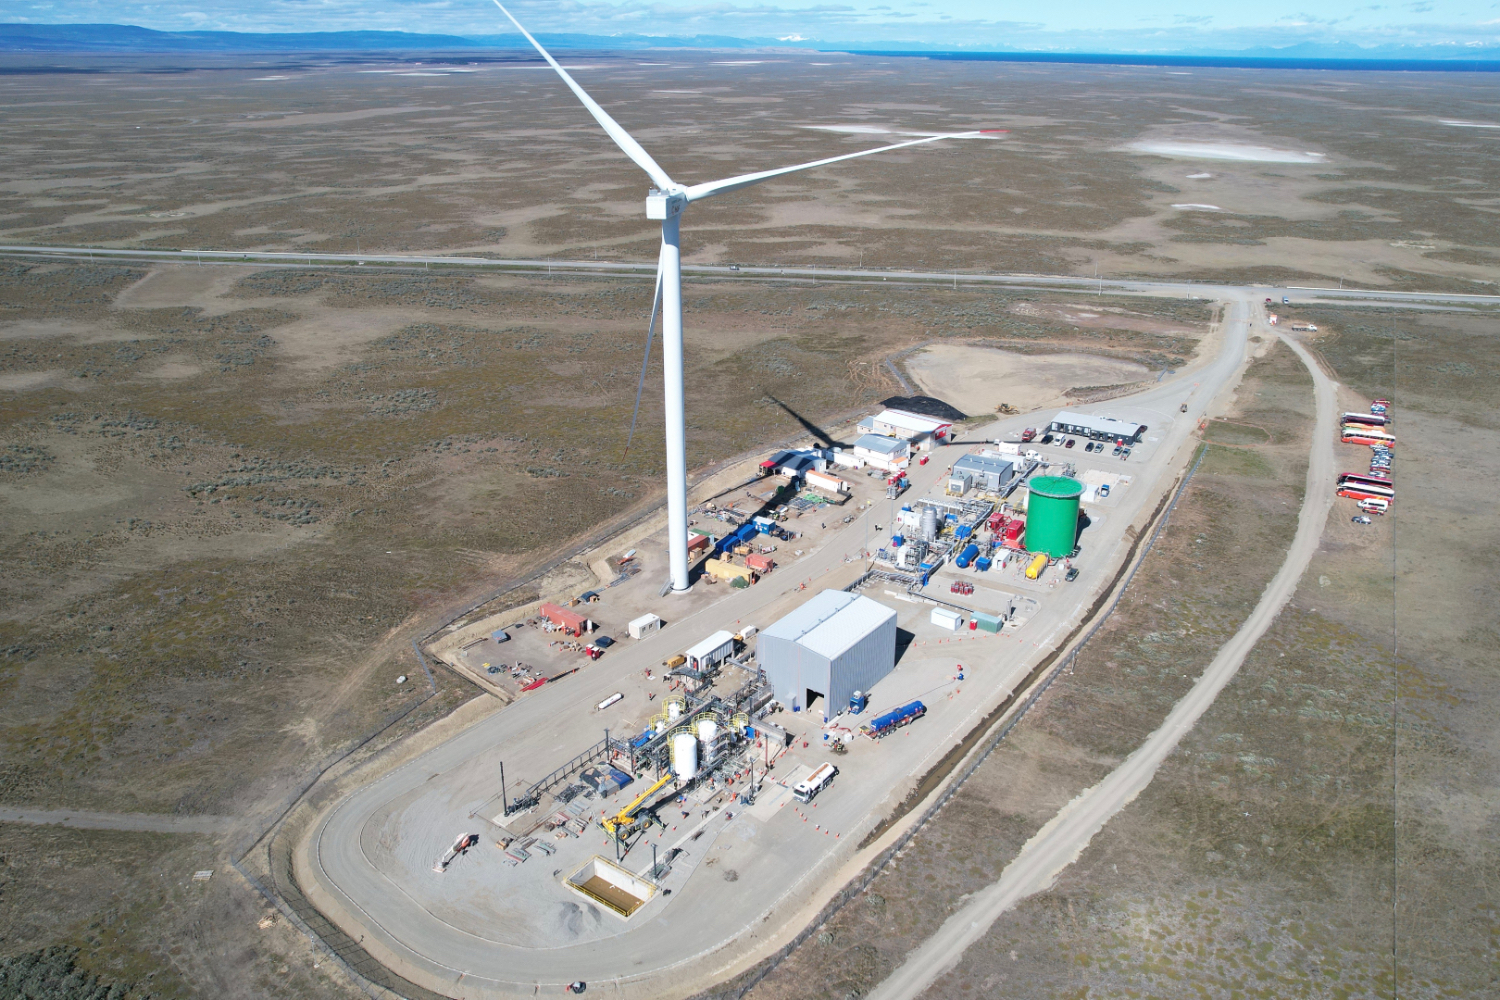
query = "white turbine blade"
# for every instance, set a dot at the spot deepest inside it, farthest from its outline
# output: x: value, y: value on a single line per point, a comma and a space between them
x: 622, y: 138
x: 645, y: 362
x: 699, y: 191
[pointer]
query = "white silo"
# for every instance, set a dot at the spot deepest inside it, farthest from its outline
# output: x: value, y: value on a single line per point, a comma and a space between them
x: 707, y: 730
x: 685, y: 756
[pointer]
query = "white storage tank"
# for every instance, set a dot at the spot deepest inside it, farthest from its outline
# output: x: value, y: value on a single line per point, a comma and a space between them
x: 674, y: 710
x: 685, y: 756
x: 707, y: 730
x: 929, y: 523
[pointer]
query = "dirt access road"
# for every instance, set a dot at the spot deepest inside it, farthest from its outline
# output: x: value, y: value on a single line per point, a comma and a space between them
x: 142, y: 822
x: 1066, y: 835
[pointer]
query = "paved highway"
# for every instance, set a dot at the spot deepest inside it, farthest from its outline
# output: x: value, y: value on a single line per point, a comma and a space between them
x: 1063, y: 839
x: 1115, y: 286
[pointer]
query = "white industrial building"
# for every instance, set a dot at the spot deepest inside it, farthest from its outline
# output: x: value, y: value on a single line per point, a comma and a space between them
x: 832, y: 646
x: 715, y: 649
x: 883, y: 452
x: 913, y: 427
x: 1099, y: 428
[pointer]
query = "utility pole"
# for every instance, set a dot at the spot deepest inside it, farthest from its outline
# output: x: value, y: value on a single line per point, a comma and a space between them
x: 504, y: 801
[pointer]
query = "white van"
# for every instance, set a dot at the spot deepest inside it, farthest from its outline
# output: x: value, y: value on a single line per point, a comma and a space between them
x: 1374, y: 505
x: 808, y: 788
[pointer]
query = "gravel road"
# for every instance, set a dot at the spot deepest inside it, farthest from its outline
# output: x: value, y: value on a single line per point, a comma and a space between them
x: 1063, y: 839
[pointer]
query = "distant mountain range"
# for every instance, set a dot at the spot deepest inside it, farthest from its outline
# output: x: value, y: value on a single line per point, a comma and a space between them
x: 125, y: 39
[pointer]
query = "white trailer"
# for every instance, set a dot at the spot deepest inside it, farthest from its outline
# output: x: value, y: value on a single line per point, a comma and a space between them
x: 643, y: 626
x: 947, y: 618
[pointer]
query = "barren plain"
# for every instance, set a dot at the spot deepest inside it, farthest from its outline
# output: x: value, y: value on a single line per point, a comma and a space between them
x: 231, y: 496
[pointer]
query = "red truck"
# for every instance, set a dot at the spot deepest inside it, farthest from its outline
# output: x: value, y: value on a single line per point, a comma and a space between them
x: 1028, y: 435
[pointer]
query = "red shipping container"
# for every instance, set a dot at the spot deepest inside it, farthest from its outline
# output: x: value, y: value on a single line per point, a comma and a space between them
x: 759, y: 563
x: 570, y: 620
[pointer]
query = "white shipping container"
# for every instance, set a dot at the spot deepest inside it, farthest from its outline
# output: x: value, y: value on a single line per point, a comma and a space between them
x: 823, y: 481
x: 947, y: 618
x: 1007, y: 448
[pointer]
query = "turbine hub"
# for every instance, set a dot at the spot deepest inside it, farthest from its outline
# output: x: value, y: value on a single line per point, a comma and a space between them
x: 662, y: 205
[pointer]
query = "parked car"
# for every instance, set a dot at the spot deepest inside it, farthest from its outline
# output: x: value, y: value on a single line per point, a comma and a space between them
x: 1361, y: 519
x: 604, y: 642
x: 1286, y: 300
x: 1028, y: 435
x: 1104, y: 490
x: 1071, y: 443
x: 1046, y: 439
x: 1117, y: 450
x: 1072, y: 574
x: 1124, y: 454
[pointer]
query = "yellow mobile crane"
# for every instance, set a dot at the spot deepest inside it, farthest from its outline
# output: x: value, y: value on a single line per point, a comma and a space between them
x: 627, y: 817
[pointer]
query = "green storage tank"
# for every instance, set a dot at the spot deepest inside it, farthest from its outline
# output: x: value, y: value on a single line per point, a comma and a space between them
x: 1052, y: 515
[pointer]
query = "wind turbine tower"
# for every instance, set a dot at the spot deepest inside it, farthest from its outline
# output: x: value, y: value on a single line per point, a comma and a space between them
x: 665, y: 203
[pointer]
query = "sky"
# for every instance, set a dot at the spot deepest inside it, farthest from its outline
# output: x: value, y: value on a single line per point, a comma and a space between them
x: 1444, y: 27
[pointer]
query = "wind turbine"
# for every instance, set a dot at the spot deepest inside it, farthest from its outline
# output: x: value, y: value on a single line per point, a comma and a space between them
x: 665, y: 203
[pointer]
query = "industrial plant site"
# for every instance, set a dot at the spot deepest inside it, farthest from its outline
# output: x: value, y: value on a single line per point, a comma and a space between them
x: 689, y: 518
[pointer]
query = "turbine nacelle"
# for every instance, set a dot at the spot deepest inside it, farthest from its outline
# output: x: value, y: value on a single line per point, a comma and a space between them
x: 663, y: 205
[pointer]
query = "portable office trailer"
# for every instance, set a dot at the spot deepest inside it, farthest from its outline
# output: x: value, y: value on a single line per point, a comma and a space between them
x: 643, y: 626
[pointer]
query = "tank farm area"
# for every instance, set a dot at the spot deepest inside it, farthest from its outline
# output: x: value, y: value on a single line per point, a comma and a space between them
x: 793, y: 704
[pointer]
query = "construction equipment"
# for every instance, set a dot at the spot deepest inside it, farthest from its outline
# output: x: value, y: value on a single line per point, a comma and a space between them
x: 626, y: 818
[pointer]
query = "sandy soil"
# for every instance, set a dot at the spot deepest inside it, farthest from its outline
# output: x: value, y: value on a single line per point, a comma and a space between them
x: 978, y: 379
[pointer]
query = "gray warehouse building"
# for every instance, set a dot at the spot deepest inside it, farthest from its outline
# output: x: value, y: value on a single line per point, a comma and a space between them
x: 829, y: 648
x: 985, y: 472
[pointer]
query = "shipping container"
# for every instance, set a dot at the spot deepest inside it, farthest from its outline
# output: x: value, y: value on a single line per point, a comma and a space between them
x: 721, y: 569
x: 826, y: 483
x: 987, y: 623
x: 947, y: 618
x: 575, y: 623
